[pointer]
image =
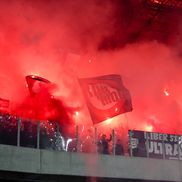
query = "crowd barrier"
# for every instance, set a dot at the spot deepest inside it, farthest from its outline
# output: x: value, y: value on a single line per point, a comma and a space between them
x: 48, y: 135
x: 155, y: 145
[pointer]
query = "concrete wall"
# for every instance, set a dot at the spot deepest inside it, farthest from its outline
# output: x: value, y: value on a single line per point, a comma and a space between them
x: 54, y: 162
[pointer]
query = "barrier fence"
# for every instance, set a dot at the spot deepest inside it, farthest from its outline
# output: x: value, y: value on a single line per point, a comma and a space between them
x: 155, y: 145
x: 48, y: 135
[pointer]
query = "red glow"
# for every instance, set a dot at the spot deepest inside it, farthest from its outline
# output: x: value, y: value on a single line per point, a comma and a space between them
x: 108, y: 121
x: 116, y: 109
x: 166, y: 92
x: 157, y: 1
x: 50, y: 40
x: 77, y: 113
x: 149, y: 128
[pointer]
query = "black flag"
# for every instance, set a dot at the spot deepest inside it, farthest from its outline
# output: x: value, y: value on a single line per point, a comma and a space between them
x: 106, y: 96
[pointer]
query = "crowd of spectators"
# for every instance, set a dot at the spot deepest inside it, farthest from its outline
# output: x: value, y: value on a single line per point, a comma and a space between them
x: 8, y: 130
x: 50, y: 138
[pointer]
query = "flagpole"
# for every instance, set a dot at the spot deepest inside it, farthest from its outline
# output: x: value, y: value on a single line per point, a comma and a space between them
x: 126, y: 117
x: 126, y: 138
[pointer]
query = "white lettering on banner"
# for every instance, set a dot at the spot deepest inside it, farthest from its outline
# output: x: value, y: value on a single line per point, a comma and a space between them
x: 156, y: 136
x: 103, y: 96
x: 158, y: 148
x: 171, y: 150
x: 174, y: 138
x: 155, y: 147
x: 175, y: 152
x: 159, y: 145
x: 168, y: 149
x: 164, y: 137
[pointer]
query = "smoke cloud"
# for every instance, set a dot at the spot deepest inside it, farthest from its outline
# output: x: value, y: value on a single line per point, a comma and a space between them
x: 64, y: 40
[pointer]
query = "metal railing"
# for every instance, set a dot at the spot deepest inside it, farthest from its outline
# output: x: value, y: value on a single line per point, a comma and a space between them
x: 155, y: 145
x: 48, y: 135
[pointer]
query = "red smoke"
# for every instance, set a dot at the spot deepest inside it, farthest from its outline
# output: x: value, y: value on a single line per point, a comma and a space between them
x: 42, y: 105
x: 64, y: 40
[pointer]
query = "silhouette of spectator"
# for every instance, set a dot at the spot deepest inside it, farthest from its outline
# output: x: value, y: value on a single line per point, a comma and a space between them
x: 44, y: 139
x: 119, y: 150
x: 29, y: 134
x: 103, y: 144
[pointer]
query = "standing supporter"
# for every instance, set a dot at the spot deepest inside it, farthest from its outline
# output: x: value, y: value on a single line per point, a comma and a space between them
x: 103, y: 144
x: 119, y: 150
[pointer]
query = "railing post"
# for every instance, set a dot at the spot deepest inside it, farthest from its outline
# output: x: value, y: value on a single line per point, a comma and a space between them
x: 179, y: 147
x: 147, y: 144
x: 130, y: 143
x: 38, y: 134
x: 113, y: 142
x: 96, y: 139
x: 77, y: 139
x: 163, y: 148
x: 18, y: 132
